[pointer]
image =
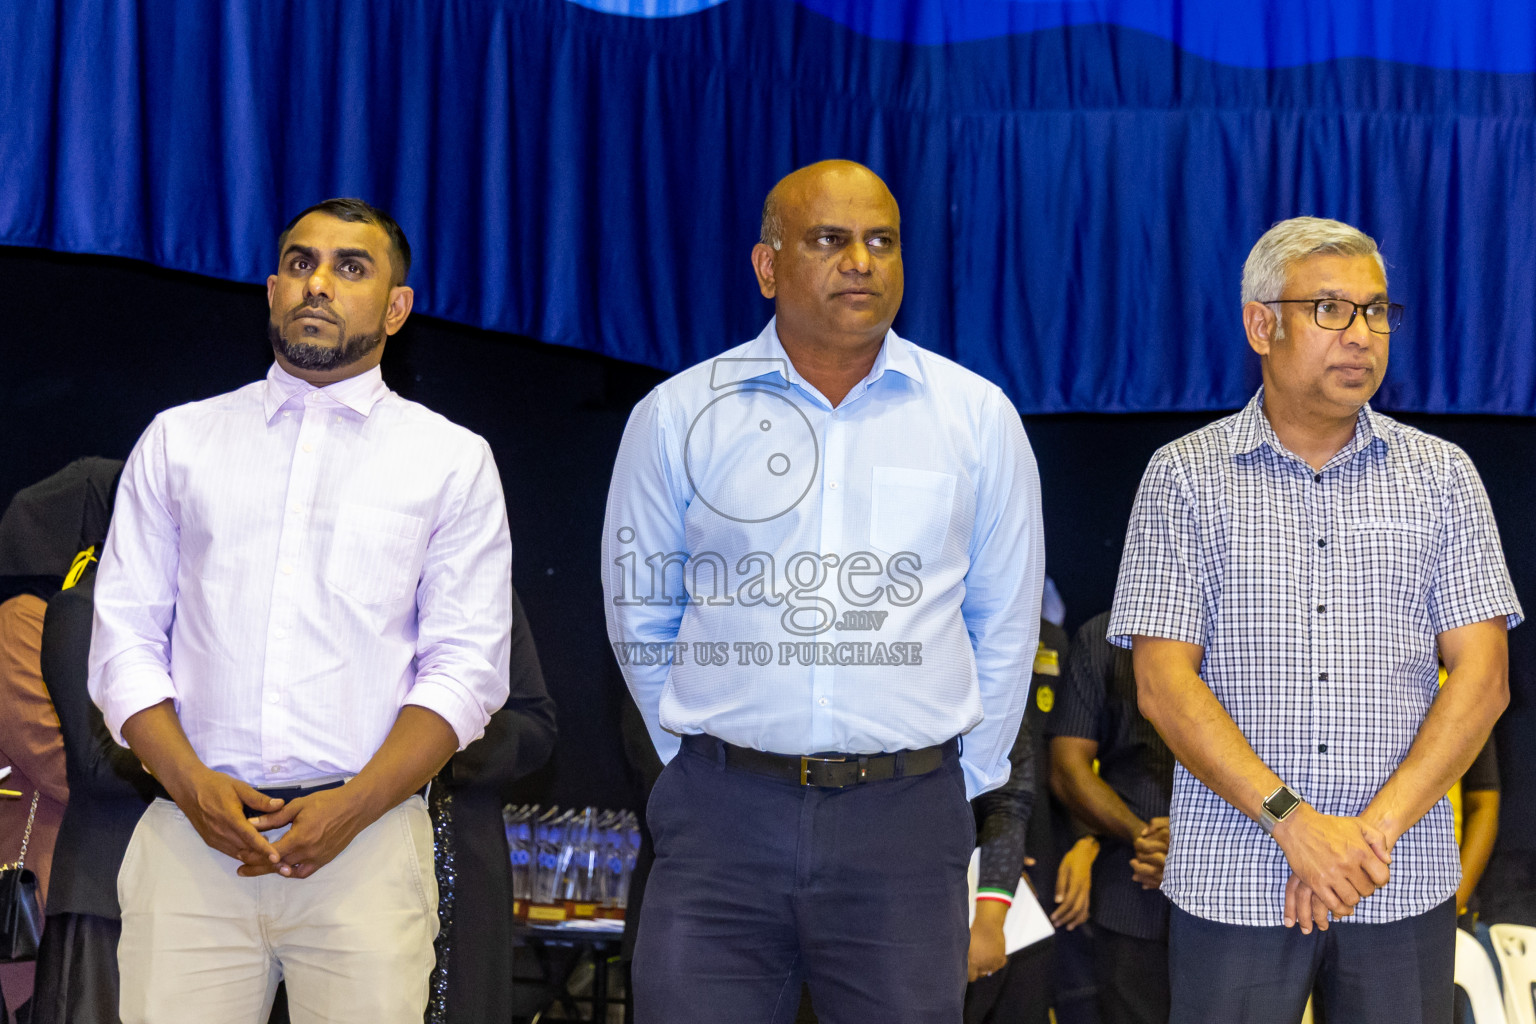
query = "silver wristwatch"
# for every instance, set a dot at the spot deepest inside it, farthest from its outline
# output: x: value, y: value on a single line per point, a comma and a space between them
x: 1277, y: 807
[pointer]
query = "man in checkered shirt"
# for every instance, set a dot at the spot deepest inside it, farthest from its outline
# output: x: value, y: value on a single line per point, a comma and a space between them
x: 1290, y: 575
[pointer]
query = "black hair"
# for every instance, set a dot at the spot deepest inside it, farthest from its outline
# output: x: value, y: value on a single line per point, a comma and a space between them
x: 353, y: 211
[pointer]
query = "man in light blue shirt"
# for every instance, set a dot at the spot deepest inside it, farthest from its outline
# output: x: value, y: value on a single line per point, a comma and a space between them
x: 823, y: 542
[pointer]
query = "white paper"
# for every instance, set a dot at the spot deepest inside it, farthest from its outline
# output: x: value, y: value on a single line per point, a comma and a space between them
x: 1026, y: 923
x: 5, y: 771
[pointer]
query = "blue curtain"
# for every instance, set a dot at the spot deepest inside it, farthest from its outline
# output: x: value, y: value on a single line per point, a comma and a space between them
x: 1079, y: 181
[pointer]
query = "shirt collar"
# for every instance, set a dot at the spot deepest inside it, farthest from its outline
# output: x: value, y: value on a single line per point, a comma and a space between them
x: 1251, y: 429
x: 360, y: 393
x: 765, y: 357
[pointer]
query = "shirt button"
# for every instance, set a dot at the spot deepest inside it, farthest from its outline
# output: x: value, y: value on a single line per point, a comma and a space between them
x: 1322, y: 677
x: 273, y: 698
x: 1322, y: 748
x: 822, y: 702
x: 1317, y: 478
x: 833, y: 485
x: 1322, y: 608
x: 1322, y: 543
x: 308, y: 447
x: 280, y: 633
x: 275, y: 769
x: 296, y: 508
x: 287, y: 570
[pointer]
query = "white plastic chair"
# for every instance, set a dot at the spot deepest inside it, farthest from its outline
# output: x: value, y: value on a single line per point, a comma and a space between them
x: 1516, y: 946
x: 1475, y: 975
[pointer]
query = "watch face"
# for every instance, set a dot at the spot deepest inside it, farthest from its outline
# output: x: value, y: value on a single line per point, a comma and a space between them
x: 1282, y: 803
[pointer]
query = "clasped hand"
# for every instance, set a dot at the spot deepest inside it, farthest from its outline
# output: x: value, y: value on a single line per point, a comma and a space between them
x: 1335, y: 863
x: 322, y: 823
x: 1151, y: 854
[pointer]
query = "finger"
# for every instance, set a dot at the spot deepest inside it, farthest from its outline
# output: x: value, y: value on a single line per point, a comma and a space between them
x: 1361, y: 881
x: 1378, y: 872
x: 1029, y: 862
x: 256, y: 870
x: 236, y: 836
x: 1334, y: 901
x: 254, y: 798
x: 1288, y: 911
x: 1319, y: 912
x: 1310, y: 910
x: 1377, y: 841
x: 278, y: 818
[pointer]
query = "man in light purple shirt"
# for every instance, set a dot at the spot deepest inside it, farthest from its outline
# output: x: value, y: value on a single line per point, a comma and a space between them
x: 303, y: 609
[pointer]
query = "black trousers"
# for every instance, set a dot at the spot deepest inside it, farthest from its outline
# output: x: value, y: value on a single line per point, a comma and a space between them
x: 1132, y: 976
x: 759, y: 884
x: 1397, y: 973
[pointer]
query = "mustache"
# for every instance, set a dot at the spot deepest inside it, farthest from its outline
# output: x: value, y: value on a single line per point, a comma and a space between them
x: 316, y: 306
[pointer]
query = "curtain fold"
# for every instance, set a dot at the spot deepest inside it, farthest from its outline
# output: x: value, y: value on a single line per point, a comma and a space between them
x: 1080, y: 181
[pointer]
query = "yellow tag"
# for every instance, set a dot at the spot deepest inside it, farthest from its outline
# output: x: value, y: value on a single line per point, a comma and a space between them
x: 1045, y: 697
x: 1047, y: 662
x: 546, y: 913
x: 1444, y: 675
x: 77, y: 567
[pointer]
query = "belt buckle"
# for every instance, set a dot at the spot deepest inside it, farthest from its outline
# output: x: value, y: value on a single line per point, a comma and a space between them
x: 805, y: 765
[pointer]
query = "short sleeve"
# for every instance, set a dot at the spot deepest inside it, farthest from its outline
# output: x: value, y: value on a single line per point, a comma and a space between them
x: 1080, y: 699
x: 1158, y: 592
x: 1471, y: 582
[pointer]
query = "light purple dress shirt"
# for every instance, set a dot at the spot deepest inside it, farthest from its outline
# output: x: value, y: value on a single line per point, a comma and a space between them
x: 292, y: 565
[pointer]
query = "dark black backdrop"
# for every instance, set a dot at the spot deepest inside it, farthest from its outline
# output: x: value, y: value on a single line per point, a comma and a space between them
x: 91, y: 348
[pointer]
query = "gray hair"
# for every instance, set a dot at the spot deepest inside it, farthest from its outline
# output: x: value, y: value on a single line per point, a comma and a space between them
x: 1289, y: 242
x: 771, y: 233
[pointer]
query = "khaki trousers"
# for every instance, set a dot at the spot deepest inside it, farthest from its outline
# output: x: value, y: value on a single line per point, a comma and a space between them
x: 202, y: 945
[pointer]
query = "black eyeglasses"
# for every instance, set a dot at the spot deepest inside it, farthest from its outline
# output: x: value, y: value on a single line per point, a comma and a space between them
x: 1339, y: 314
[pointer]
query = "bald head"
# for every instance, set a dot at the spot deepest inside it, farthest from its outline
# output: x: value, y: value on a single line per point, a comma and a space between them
x: 793, y: 188
x: 830, y: 257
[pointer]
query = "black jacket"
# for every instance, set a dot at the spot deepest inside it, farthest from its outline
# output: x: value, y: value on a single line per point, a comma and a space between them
x: 108, y: 788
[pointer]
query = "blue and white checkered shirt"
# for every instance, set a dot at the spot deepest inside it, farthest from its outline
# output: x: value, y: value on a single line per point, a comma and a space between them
x: 1318, y: 597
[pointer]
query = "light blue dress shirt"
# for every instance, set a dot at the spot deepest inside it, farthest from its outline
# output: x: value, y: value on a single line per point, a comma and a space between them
x: 799, y: 578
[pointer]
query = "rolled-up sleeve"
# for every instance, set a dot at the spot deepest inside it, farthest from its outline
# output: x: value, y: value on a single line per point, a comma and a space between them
x: 464, y: 607
x: 136, y: 591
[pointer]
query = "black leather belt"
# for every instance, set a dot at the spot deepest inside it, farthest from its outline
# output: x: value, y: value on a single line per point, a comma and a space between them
x: 827, y: 771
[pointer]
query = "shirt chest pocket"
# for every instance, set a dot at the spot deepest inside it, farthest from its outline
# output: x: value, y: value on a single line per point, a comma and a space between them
x: 910, y: 510
x: 373, y: 557
x: 1395, y: 555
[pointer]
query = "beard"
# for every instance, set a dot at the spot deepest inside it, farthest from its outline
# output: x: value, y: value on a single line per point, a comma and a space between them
x: 304, y: 356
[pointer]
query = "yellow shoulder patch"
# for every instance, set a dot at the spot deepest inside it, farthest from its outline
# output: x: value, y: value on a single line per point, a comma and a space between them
x: 78, y: 566
x: 1047, y: 662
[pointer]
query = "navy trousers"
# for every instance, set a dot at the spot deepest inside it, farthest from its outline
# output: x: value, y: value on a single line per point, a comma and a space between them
x: 761, y: 884
x: 1397, y: 973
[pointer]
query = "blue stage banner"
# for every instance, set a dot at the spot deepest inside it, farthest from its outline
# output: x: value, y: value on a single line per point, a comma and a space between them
x: 1079, y: 181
